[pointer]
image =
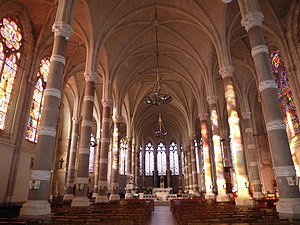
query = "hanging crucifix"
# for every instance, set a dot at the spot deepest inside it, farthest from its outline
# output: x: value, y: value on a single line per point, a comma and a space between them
x: 61, y: 163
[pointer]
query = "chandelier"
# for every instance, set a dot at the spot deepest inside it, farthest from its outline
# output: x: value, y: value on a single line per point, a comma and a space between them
x: 156, y: 95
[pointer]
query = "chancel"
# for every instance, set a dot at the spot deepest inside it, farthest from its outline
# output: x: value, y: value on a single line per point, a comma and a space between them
x: 127, y: 106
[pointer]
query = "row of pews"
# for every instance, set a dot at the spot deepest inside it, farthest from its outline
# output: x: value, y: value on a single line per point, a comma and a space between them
x: 202, y: 212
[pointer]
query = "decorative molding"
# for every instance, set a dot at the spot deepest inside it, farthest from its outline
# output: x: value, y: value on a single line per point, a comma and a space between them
x: 89, y: 98
x: 284, y: 171
x: 58, y: 58
x: 203, y: 116
x: 90, y: 77
x: 267, y: 84
x: 275, y: 125
x: 62, y: 29
x: 87, y: 123
x: 259, y: 49
x: 107, y: 103
x: 84, y: 151
x: 246, y: 115
x: 40, y: 175
x: 213, y: 99
x: 49, y: 131
x: 82, y: 180
x: 52, y: 92
x: 252, y: 19
x: 226, y: 71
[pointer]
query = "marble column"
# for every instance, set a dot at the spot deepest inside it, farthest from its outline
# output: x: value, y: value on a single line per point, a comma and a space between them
x: 105, y: 141
x: 96, y: 167
x: 133, y: 165
x: 253, y: 157
x: 220, y: 176
x: 205, y: 135
x: 168, y: 166
x: 129, y: 176
x: 195, y: 188
x: 37, y: 204
x: 115, y: 161
x: 289, y: 202
x: 72, y: 160
x: 237, y: 150
x: 82, y: 178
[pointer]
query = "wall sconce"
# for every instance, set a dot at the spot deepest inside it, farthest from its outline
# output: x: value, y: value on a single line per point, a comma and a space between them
x: 34, y: 184
x: 79, y: 186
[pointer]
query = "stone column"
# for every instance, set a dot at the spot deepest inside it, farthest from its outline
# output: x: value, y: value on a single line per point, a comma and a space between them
x: 155, y: 173
x: 168, y: 166
x: 289, y: 201
x: 186, y: 170
x: 129, y: 178
x: 220, y: 178
x: 96, y: 167
x: 105, y: 141
x: 205, y: 146
x: 179, y: 149
x: 189, y: 168
x: 133, y: 165
x: 72, y: 159
x: 194, y: 169
x: 82, y: 178
x: 137, y: 169
x: 115, y: 161
x: 238, y: 153
x: 37, y: 204
x: 253, y: 158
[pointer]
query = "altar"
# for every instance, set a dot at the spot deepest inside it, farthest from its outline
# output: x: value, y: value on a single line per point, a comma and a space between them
x: 162, y: 193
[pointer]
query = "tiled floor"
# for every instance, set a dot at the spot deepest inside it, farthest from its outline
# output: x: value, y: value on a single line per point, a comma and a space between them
x: 162, y: 216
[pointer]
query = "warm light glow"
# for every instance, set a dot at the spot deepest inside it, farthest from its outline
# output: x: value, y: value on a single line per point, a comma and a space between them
x: 219, y: 164
x: 205, y: 149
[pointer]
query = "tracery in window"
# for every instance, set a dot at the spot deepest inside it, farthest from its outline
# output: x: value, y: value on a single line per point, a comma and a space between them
x: 38, y: 101
x: 92, y: 153
x: 174, y: 165
x: 161, y: 159
x: 123, y: 157
x: 10, y: 44
x: 141, y: 160
x: 285, y: 95
x: 149, y: 159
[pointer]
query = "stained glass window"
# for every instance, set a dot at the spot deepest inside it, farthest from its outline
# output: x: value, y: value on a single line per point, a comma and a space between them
x: 92, y: 153
x: 123, y: 157
x: 149, y: 159
x: 38, y: 100
x: 141, y: 160
x: 182, y: 159
x: 9, y: 54
x: 174, y: 166
x: 161, y: 159
x: 285, y: 95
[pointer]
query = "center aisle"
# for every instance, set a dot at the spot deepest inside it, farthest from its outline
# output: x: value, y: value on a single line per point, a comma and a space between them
x: 162, y: 215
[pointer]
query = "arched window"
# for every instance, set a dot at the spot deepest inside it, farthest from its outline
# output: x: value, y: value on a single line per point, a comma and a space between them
x: 161, y: 159
x: 149, y: 159
x: 123, y: 157
x: 174, y: 166
x: 9, y: 55
x: 38, y: 100
x: 285, y: 95
x: 182, y: 159
x: 92, y: 153
x: 141, y: 160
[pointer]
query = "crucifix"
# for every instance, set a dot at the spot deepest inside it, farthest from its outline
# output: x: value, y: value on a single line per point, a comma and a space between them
x: 61, y: 163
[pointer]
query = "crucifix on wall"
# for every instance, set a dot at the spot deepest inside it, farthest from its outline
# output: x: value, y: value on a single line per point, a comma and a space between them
x: 61, y: 161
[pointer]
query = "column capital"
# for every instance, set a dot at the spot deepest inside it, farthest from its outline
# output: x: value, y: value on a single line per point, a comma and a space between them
x: 226, y: 71
x: 62, y: 29
x: 106, y: 102
x: 251, y: 19
x: 90, y: 76
x: 213, y: 99
x: 203, y: 116
x: 246, y: 115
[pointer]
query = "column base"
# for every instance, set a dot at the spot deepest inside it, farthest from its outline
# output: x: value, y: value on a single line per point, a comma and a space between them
x: 68, y: 198
x: 244, y: 201
x: 288, y: 208
x: 114, y: 197
x: 128, y: 196
x: 258, y: 195
x: 80, y: 202
x: 101, y: 199
x: 36, y: 209
x: 209, y: 196
x: 223, y: 197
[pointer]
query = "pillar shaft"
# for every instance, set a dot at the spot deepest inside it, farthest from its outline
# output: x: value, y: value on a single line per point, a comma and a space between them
x: 129, y: 176
x: 289, y: 202
x: 194, y: 168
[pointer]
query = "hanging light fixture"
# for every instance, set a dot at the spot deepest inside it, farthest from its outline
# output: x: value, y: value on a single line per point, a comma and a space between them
x: 156, y: 95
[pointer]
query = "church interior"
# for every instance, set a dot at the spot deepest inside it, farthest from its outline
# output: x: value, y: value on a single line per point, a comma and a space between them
x: 188, y: 108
